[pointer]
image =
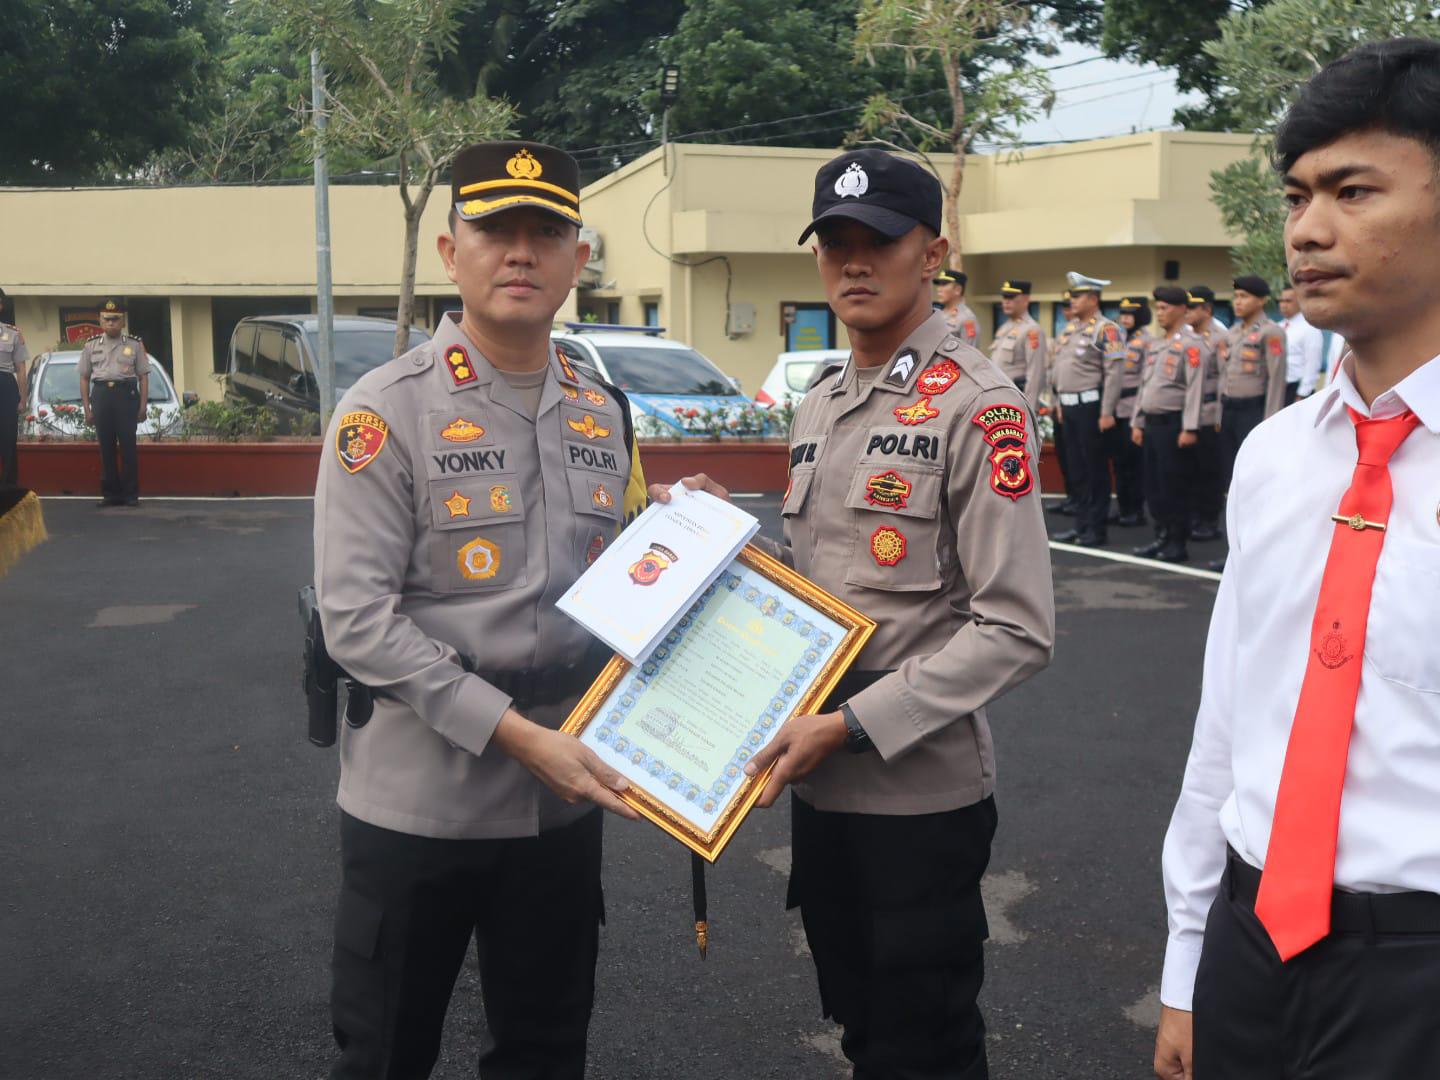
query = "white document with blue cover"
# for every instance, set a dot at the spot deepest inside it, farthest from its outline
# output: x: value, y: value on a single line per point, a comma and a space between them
x: 656, y: 569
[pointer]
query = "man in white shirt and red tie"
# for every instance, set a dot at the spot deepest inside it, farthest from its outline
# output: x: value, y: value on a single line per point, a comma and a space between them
x: 1304, y: 348
x: 1302, y: 864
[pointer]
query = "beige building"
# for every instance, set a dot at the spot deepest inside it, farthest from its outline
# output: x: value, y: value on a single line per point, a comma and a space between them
x: 699, y: 239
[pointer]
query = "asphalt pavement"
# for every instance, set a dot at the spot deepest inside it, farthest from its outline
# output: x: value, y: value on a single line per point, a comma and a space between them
x: 169, y: 840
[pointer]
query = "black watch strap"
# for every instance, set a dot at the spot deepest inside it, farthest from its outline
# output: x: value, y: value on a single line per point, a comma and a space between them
x: 856, y: 740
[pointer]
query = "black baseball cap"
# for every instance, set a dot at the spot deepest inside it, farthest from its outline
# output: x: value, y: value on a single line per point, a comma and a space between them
x: 1254, y: 284
x: 494, y: 176
x: 889, y: 193
x: 1201, y: 295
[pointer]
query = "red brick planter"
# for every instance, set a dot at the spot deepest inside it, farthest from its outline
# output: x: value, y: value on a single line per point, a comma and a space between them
x: 289, y: 468
x: 176, y: 468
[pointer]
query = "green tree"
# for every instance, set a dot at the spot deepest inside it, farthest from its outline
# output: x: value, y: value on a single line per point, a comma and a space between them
x: 385, y: 101
x: 949, y: 35
x: 1263, y: 57
x: 93, y: 87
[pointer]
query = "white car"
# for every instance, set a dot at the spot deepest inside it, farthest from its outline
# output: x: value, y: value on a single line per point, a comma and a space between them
x: 55, y: 380
x: 793, y: 372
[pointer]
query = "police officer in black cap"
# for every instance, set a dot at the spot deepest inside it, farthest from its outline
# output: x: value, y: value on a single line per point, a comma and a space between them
x: 1125, y: 457
x: 114, y: 373
x: 1209, y: 494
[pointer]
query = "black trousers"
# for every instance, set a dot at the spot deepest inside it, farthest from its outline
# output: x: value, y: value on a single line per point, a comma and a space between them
x: 1355, y: 1006
x: 1292, y: 392
x: 1208, y: 490
x: 1169, y: 473
x: 1061, y: 458
x: 116, y: 410
x: 1127, y: 461
x: 1238, y: 418
x: 1089, y: 469
x: 894, y: 919
x: 9, y: 429
x: 409, y: 906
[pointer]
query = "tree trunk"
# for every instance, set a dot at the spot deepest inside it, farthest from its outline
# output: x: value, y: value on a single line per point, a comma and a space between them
x: 405, y: 305
x: 957, y: 170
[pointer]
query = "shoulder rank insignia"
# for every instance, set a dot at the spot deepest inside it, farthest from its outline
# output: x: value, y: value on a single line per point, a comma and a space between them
x: 887, y: 545
x: 594, y: 397
x: 589, y: 428
x: 479, y: 560
x: 1004, y: 427
x: 649, y: 567
x: 500, y: 498
x: 901, y: 367
x: 565, y: 366
x: 888, y: 489
x: 359, y: 438
x: 462, y: 431
x: 457, y: 362
x: 918, y: 413
x: 458, y: 505
x: 938, y: 378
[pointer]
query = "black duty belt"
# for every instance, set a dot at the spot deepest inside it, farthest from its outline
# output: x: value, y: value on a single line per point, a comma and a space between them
x: 124, y: 384
x: 1129, y: 393
x: 1241, y: 402
x: 1354, y: 913
x: 547, y: 685
x: 850, y: 684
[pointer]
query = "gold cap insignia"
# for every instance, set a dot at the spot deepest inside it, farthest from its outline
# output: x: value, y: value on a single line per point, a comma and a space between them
x: 524, y: 166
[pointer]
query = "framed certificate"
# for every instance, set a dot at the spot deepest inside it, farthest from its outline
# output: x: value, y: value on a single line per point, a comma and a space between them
x: 759, y: 645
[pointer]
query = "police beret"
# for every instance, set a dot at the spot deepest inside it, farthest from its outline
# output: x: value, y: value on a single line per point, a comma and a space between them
x: 889, y: 193
x: 1015, y: 287
x: 112, y: 306
x: 489, y: 177
x: 1171, y: 294
x: 1254, y: 284
x: 1201, y: 294
x: 952, y: 277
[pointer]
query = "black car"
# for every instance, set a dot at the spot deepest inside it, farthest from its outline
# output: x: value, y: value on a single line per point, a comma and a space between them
x: 273, y: 361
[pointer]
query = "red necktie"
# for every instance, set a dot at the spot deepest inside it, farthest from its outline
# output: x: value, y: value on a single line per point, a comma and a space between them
x: 1299, y: 876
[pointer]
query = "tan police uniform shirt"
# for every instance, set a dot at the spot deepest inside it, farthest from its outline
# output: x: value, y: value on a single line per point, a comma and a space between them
x: 1131, y: 369
x: 1173, y: 380
x: 1019, y: 351
x: 448, y: 521
x: 915, y: 500
x: 104, y: 358
x: 963, y: 324
x: 14, y: 356
x: 1088, y: 357
x: 1214, y: 336
x: 1253, y: 363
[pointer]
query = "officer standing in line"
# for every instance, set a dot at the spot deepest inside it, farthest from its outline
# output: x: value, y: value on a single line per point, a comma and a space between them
x: 1057, y: 424
x: 1209, y: 496
x: 1167, y: 421
x: 950, y: 292
x: 913, y: 500
x: 1089, y: 353
x: 1252, y: 370
x: 114, y: 373
x: 1125, y: 457
x: 14, y: 391
x: 1019, y: 349
x: 465, y: 486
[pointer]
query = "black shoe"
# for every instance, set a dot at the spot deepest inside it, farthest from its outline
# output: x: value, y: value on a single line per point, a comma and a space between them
x: 1066, y: 507
x: 1151, y: 549
x: 132, y: 501
x: 1204, y: 532
x: 1130, y: 521
x: 1175, y: 553
x: 1069, y: 536
x: 1218, y: 565
x: 109, y: 502
x: 1091, y: 540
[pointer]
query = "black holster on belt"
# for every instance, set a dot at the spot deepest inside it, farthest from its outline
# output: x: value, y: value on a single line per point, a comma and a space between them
x: 321, y: 678
x: 545, y: 686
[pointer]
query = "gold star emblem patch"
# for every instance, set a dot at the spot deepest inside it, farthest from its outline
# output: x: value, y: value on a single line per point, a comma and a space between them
x: 458, y: 505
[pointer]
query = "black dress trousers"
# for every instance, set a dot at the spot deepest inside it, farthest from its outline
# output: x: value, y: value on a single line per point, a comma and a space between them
x: 116, y: 405
x: 1126, y: 459
x: 893, y: 915
x: 409, y: 906
x: 1089, y: 470
x: 1208, y: 485
x: 9, y: 429
x: 1169, y: 473
x: 1362, y: 1004
x: 1238, y: 417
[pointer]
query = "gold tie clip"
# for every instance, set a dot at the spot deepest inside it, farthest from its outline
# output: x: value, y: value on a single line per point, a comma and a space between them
x: 1357, y: 522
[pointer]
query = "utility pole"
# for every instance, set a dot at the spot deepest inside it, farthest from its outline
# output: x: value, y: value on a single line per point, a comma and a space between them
x: 669, y: 94
x: 324, y: 287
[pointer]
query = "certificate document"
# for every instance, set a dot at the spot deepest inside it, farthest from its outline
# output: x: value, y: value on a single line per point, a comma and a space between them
x: 759, y: 645
x: 656, y: 569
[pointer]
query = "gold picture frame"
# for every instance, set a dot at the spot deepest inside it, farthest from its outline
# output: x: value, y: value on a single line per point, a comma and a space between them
x: 815, y: 609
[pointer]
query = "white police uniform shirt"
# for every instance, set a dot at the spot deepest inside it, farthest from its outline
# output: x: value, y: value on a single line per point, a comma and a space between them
x: 1304, y: 353
x: 1289, y: 477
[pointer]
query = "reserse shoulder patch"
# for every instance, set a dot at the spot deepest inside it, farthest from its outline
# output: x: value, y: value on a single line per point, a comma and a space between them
x: 359, y: 438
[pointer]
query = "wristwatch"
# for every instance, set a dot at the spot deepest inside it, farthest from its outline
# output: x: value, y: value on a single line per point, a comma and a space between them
x: 856, y: 740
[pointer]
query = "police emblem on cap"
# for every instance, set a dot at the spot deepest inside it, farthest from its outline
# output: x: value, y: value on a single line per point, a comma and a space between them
x: 853, y: 182
x: 523, y: 166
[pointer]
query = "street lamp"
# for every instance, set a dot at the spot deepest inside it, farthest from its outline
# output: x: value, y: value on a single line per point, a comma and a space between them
x: 669, y: 95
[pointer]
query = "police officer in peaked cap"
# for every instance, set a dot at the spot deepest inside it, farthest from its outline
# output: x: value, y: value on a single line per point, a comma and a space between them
x: 114, y: 373
x: 464, y: 487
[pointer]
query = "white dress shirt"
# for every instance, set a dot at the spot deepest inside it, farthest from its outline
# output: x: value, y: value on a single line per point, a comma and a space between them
x: 1289, y: 477
x: 1304, y: 351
